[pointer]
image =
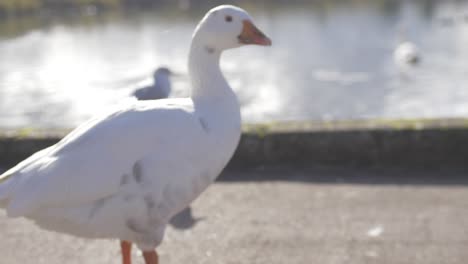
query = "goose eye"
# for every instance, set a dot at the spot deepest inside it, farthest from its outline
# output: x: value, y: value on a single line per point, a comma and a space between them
x: 228, y: 18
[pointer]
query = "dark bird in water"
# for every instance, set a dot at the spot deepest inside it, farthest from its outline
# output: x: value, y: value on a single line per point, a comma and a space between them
x: 161, y: 87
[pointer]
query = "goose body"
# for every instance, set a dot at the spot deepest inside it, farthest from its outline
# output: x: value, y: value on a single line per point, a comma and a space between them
x: 99, y: 184
x: 124, y: 174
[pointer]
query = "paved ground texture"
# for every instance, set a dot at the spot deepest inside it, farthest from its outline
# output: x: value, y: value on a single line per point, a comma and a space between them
x: 286, y: 215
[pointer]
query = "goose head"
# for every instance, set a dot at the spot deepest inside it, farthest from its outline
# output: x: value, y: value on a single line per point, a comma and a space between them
x: 226, y: 27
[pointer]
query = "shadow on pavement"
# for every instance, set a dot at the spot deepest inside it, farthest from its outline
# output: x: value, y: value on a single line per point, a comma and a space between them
x: 185, y: 219
x: 350, y: 175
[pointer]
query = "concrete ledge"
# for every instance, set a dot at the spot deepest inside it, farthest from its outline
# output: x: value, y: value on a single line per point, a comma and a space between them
x: 361, y: 143
x: 428, y: 143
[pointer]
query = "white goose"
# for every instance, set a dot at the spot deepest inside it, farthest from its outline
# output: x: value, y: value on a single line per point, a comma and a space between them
x: 123, y: 175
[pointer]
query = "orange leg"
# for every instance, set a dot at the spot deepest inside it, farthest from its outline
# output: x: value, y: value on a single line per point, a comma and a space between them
x: 151, y: 257
x: 126, y: 248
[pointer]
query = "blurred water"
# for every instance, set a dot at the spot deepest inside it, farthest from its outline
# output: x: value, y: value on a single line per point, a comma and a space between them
x: 329, y: 60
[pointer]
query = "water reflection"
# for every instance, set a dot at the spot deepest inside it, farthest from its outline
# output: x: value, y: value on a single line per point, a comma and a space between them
x: 330, y: 60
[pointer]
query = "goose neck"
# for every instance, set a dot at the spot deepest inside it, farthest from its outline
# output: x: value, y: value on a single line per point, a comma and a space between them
x: 204, y: 71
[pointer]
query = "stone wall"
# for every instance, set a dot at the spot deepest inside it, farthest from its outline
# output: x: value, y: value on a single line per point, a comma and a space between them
x: 423, y: 143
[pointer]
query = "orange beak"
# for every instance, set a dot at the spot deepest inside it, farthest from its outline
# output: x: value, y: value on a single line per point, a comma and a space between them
x: 252, y: 35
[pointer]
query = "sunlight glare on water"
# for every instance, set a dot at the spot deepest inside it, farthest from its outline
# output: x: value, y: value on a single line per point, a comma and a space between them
x: 328, y: 61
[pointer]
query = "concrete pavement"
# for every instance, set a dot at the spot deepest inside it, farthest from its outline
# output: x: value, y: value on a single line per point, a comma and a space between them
x: 285, y: 215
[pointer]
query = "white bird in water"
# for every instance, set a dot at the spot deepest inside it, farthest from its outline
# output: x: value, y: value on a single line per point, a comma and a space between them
x: 406, y: 53
x: 161, y: 87
x: 124, y: 174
